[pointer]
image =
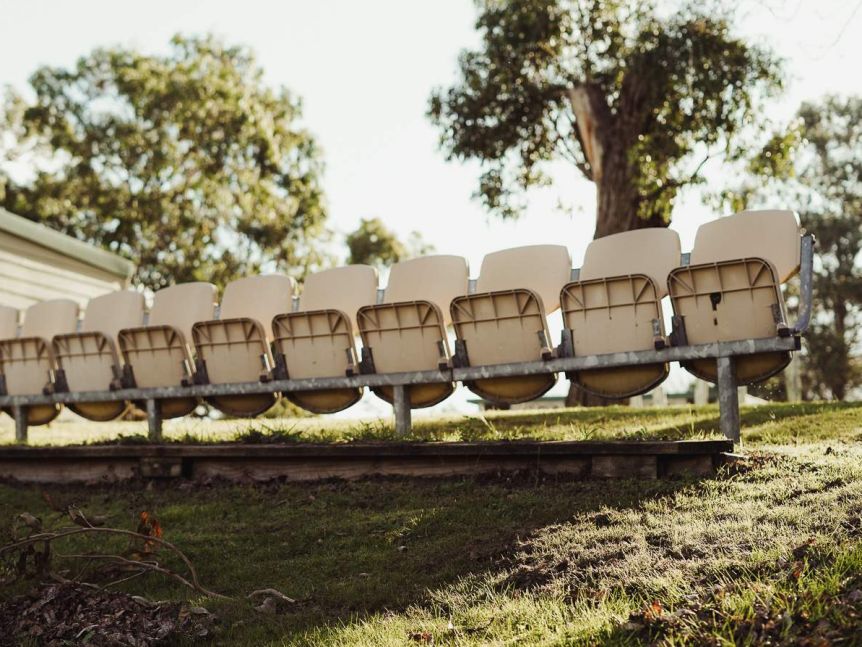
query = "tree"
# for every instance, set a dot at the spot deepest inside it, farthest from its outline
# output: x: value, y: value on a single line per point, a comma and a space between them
x: 373, y: 243
x: 187, y: 164
x: 816, y: 164
x: 636, y: 102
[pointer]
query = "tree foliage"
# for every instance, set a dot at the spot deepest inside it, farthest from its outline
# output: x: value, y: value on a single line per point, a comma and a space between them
x: 373, y: 243
x: 815, y: 164
x: 830, y: 169
x: 186, y: 163
x: 635, y: 100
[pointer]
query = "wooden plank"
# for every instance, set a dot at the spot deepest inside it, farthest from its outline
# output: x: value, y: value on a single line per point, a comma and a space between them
x: 351, y: 461
x: 378, y: 449
x: 293, y: 470
x: 625, y: 467
x: 701, y: 465
x: 64, y: 470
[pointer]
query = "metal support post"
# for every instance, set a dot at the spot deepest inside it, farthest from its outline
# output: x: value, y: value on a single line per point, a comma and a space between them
x: 20, y: 414
x: 728, y: 399
x: 154, y: 420
x: 401, y: 405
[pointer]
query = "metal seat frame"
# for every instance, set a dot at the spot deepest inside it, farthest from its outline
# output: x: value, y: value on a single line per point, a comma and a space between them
x: 787, y: 338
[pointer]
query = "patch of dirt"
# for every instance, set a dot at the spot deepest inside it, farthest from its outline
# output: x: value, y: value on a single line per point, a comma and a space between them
x: 72, y: 614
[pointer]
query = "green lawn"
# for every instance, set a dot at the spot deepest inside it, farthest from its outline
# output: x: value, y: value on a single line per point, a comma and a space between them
x: 769, y: 550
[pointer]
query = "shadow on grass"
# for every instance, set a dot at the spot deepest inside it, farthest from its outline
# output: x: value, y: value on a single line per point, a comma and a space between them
x: 343, y: 549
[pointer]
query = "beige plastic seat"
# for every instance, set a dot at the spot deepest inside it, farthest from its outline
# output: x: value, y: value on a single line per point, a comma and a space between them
x: 158, y: 354
x: 236, y: 347
x: 27, y: 363
x: 732, y: 289
x: 88, y: 360
x: 8, y: 322
x: 408, y: 331
x: 318, y: 340
x: 505, y: 321
x: 615, y: 306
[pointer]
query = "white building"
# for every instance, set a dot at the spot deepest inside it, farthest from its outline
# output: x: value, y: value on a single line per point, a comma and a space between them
x: 38, y: 263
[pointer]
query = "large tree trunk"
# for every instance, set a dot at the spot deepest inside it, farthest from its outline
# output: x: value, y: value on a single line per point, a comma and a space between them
x: 618, y: 200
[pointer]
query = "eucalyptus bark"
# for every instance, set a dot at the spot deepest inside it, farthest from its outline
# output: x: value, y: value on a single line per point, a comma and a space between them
x: 605, y: 140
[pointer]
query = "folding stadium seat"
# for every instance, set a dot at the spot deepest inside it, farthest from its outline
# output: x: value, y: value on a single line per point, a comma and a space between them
x: 318, y: 340
x: 236, y: 347
x: 732, y: 288
x: 615, y: 306
x: 158, y: 354
x: 505, y: 321
x: 8, y: 322
x: 408, y: 331
x: 88, y: 361
x: 27, y: 364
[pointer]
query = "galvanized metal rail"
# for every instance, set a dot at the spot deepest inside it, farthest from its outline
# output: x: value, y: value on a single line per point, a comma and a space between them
x: 723, y: 352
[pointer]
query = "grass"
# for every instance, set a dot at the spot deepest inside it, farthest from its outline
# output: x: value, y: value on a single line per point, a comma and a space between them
x: 779, y: 423
x: 767, y: 552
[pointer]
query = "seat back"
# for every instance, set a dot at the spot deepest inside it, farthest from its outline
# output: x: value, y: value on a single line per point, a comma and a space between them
x: 732, y: 289
x: 542, y: 269
x: 318, y: 340
x: 345, y: 289
x: 181, y: 306
x: 236, y: 347
x: 652, y: 252
x: 772, y: 235
x: 436, y: 279
x: 158, y: 354
x: 505, y: 321
x: 408, y: 331
x: 49, y: 318
x: 615, y: 306
x: 27, y: 362
x: 259, y: 298
x: 89, y: 358
x: 8, y: 322
x: 110, y: 313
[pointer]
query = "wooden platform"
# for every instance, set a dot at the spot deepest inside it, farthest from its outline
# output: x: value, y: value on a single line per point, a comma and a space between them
x: 308, y: 462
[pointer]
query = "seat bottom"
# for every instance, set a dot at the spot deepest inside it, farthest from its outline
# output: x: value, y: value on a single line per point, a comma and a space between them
x: 244, y: 406
x: 750, y: 369
x: 623, y: 382
x: 98, y: 411
x: 419, y: 396
x: 173, y: 407
x: 40, y: 414
x: 512, y: 390
x: 325, y: 401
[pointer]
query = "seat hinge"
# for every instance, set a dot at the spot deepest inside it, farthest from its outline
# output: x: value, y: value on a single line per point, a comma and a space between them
x: 677, y: 335
x: 659, y: 342
x: 200, y: 375
x: 366, y: 364
x: 460, y: 359
x: 61, y: 384
x: 279, y: 371
x: 567, y: 343
x: 546, y: 350
x: 443, y: 363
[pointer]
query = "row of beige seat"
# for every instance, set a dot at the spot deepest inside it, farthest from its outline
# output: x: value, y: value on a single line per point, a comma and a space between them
x: 729, y: 291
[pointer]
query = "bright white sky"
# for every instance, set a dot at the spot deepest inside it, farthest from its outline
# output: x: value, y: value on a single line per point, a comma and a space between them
x: 365, y: 70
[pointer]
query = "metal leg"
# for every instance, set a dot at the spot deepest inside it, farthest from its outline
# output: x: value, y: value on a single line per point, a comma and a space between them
x: 154, y: 420
x: 728, y: 398
x: 20, y: 414
x: 402, y: 410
